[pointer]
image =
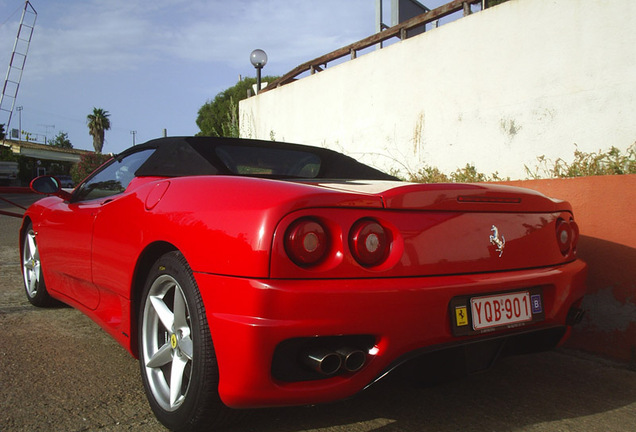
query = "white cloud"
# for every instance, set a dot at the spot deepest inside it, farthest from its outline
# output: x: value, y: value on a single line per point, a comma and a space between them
x: 296, y: 31
x: 152, y: 64
x: 120, y: 35
x: 90, y: 36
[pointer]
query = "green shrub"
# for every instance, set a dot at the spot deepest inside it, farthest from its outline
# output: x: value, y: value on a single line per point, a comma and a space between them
x: 612, y: 162
x: 584, y: 164
x: 428, y: 174
x: 468, y: 174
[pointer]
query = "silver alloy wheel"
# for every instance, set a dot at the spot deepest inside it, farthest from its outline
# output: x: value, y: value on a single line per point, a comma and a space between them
x: 31, y: 264
x: 167, y: 342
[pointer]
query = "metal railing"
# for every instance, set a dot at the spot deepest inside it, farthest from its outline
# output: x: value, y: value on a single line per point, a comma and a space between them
x: 400, y: 30
x: 13, y: 190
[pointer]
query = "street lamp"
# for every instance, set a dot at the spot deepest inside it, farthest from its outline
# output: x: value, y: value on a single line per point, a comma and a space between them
x: 258, y: 58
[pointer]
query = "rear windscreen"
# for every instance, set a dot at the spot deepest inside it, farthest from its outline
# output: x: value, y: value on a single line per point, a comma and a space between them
x: 274, y: 162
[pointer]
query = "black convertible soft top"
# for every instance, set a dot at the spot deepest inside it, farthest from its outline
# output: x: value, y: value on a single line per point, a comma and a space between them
x: 188, y: 156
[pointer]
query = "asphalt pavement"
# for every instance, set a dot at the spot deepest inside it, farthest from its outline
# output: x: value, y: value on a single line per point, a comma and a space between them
x: 60, y: 372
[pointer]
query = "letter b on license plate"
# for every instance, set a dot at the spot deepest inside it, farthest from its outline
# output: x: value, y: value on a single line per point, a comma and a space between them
x: 499, y: 310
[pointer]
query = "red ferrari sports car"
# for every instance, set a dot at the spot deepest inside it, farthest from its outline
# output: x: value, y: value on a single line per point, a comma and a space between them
x: 248, y: 273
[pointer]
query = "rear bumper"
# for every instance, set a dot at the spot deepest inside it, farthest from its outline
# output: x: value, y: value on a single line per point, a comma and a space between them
x: 249, y: 318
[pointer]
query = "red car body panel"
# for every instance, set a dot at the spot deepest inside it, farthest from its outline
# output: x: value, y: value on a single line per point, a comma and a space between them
x: 232, y: 230
x: 403, y: 314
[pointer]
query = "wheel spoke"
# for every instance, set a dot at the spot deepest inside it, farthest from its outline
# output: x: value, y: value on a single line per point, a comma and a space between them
x: 176, y: 378
x: 29, y: 264
x: 33, y: 284
x: 162, y: 357
x: 185, y: 345
x: 28, y: 260
x: 163, y: 312
x: 32, y: 246
x: 180, y: 311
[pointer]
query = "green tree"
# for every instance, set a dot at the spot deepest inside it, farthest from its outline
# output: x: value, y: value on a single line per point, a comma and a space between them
x: 98, y: 123
x: 491, y: 3
x: 88, y: 163
x: 7, y: 155
x: 219, y: 117
x: 61, y: 141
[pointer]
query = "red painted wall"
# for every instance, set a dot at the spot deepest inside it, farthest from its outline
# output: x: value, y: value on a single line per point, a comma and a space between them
x: 605, y: 209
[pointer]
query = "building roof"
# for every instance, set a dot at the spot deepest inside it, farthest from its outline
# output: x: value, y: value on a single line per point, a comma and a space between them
x: 42, y: 151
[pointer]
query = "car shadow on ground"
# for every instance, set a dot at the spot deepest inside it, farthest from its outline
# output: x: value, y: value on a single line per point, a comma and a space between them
x: 549, y: 388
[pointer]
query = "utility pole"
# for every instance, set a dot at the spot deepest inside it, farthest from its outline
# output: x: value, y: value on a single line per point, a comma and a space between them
x: 20, y: 121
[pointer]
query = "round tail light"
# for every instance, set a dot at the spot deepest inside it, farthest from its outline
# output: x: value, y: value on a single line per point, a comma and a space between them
x: 575, y: 234
x: 565, y: 236
x: 369, y: 242
x: 306, y: 242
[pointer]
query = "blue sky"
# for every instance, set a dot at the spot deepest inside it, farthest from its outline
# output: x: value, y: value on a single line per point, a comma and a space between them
x: 152, y: 64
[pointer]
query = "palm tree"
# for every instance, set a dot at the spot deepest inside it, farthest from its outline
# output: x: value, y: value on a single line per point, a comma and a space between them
x: 98, y: 123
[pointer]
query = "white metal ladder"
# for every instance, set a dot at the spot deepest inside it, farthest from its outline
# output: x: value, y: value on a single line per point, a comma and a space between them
x: 16, y: 65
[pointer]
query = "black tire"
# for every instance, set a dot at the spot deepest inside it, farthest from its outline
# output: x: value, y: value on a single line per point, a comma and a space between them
x: 34, y: 285
x: 171, y: 299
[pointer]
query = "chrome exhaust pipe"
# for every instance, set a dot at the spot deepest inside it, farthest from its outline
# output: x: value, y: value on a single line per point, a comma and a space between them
x: 323, y: 361
x: 575, y: 316
x: 353, y: 359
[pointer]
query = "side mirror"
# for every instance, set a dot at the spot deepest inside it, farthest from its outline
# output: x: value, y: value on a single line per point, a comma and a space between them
x: 47, y: 185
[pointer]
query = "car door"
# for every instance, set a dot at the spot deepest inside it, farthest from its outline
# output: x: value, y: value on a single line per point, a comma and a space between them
x: 64, y: 238
x: 68, y: 229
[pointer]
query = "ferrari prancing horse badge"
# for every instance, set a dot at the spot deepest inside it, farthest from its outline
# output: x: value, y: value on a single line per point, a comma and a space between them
x: 499, y: 243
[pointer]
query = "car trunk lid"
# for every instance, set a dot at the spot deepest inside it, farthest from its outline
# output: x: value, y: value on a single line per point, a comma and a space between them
x: 480, y: 197
x: 442, y: 229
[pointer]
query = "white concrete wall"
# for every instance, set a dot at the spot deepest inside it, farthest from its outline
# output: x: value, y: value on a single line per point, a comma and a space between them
x: 495, y: 89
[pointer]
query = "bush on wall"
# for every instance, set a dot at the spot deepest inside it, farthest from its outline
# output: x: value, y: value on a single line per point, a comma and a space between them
x: 611, y: 162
